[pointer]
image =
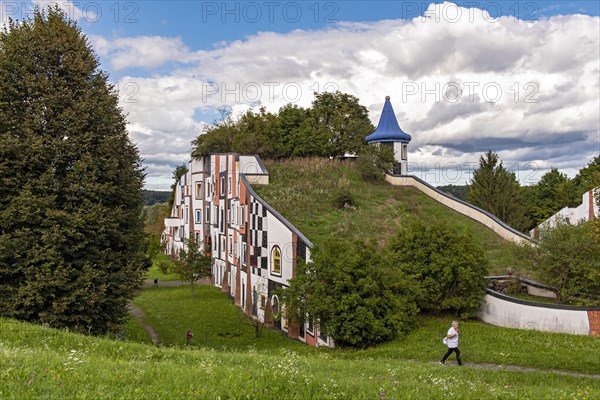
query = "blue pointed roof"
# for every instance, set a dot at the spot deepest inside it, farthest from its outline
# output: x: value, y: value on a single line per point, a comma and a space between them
x: 388, y: 129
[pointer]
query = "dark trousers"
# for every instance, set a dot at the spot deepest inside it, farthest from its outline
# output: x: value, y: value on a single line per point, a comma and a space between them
x: 450, y: 351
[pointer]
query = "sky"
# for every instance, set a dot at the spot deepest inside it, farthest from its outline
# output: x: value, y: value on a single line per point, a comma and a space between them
x: 521, y: 78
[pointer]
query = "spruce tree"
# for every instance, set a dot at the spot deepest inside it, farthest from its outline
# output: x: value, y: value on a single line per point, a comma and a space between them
x: 496, y: 190
x: 71, y: 228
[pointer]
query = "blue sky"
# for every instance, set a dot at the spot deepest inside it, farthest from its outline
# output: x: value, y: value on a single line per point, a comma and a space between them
x: 518, y: 77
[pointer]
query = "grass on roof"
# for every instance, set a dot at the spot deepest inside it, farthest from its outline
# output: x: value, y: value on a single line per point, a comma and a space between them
x: 304, y: 192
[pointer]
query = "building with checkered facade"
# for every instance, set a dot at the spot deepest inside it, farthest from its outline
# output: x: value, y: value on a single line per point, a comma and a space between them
x: 254, y: 249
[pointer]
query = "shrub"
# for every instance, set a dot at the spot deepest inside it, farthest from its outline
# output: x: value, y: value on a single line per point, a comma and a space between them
x: 346, y: 290
x: 567, y: 257
x: 447, y: 267
x: 374, y: 160
x: 343, y: 199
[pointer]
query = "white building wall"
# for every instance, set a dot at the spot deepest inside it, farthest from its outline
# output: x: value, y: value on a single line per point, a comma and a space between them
x: 573, y: 215
x: 281, y: 236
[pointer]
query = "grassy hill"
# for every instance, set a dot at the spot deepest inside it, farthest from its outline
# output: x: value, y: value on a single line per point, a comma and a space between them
x: 305, y: 191
x: 226, y: 361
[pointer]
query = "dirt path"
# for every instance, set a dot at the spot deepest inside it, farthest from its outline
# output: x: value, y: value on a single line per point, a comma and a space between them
x: 139, y: 315
x: 150, y: 283
x: 525, y: 369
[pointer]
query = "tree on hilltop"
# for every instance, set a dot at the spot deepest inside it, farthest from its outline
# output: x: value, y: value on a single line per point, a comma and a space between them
x: 496, y: 190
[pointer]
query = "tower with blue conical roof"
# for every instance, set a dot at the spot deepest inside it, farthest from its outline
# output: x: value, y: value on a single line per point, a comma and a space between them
x: 388, y: 133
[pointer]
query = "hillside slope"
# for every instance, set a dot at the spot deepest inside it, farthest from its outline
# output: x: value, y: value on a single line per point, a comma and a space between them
x: 305, y: 190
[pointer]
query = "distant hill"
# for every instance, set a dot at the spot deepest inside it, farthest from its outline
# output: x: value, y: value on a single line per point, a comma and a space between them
x: 154, y: 196
x: 458, y: 191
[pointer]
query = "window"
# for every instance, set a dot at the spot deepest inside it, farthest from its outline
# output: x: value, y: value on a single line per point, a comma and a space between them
x: 223, y: 243
x: 242, y: 215
x: 198, y: 216
x: 208, y: 214
x: 244, y: 252
x: 310, y: 328
x: 263, y: 301
x: 222, y: 221
x: 186, y: 214
x: 276, y: 260
x: 404, y: 157
x: 243, y: 294
x: 198, y: 190
x: 230, y: 245
x: 197, y: 237
x: 229, y: 185
x: 222, y: 191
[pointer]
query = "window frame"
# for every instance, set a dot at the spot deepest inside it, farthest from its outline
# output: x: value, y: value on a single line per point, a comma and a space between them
x: 276, y: 260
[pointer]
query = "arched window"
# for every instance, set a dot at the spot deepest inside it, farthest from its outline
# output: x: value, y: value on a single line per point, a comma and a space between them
x: 276, y: 260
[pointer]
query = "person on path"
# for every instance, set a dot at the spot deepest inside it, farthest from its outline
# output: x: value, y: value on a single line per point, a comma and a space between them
x: 188, y: 337
x: 452, y: 343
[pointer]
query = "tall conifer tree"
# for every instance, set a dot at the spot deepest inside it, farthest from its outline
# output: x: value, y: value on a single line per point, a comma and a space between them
x: 496, y: 189
x: 71, y: 229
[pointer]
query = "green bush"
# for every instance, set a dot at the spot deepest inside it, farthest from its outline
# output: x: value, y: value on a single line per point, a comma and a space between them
x: 153, y: 245
x: 345, y: 288
x: 446, y: 266
x: 567, y: 258
x: 343, y: 199
x: 374, y: 160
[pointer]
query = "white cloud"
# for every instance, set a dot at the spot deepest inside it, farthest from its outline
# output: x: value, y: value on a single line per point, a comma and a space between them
x: 141, y: 51
x: 546, y: 112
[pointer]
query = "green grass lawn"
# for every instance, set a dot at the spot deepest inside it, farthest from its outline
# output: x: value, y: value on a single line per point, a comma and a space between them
x: 155, y: 273
x: 44, y: 363
x: 218, y: 324
x: 133, y: 331
x: 214, y: 320
x: 303, y: 190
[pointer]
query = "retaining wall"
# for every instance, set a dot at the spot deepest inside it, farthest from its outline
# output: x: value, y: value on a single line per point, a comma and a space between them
x: 509, y: 312
x: 462, y: 207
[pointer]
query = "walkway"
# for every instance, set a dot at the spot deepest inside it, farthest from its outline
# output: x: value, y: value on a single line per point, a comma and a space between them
x: 150, y: 283
x: 525, y: 369
x: 139, y: 315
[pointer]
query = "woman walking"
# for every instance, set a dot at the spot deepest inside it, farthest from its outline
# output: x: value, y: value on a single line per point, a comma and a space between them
x: 452, y: 343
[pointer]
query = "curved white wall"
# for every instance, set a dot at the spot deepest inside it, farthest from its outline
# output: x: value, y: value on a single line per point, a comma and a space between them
x: 507, y: 314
